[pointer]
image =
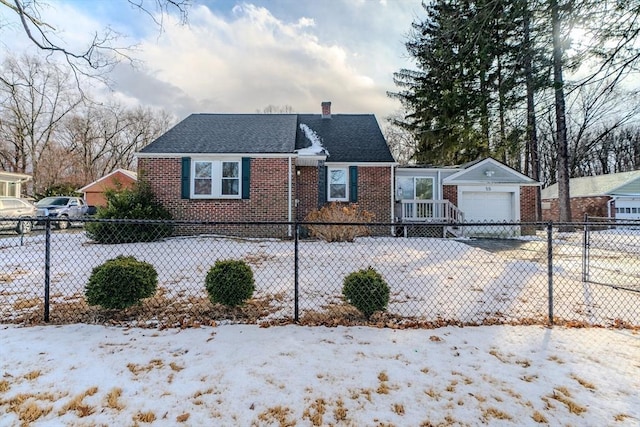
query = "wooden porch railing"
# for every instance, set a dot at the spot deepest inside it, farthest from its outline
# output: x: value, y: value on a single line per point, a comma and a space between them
x: 430, y: 211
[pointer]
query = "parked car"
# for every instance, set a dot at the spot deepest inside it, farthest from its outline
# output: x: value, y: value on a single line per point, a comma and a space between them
x: 13, y: 207
x: 65, y: 208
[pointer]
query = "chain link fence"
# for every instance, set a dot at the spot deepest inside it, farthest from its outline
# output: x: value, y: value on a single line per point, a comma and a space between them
x: 612, y: 253
x: 437, y: 274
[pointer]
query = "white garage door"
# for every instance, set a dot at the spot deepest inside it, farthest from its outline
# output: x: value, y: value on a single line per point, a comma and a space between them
x: 487, y: 206
x: 627, y: 208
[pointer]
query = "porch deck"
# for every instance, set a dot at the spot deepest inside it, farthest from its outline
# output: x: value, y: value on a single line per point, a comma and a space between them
x: 424, y: 212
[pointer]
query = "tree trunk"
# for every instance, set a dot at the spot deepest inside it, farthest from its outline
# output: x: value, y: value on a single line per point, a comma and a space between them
x: 532, y: 155
x: 564, y: 202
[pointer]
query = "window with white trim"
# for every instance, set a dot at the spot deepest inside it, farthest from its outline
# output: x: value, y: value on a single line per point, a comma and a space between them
x: 414, y: 188
x: 337, y: 182
x: 216, y: 179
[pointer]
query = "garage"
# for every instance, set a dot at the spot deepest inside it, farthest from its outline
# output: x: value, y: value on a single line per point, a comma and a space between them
x: 487, y: 206
x: 627, y: 208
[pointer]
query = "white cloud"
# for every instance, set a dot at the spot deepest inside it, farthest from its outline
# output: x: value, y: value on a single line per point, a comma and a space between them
x: 253, y: 59
x: 247, y: 56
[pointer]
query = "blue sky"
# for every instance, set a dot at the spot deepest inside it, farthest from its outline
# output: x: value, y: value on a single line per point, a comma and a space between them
x: 240, y: 56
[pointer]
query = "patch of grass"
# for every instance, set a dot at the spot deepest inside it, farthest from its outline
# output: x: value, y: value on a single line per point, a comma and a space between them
x: 277, y: 414
x: 135, y: 369
x: 561, y: 394
x: 26, y: 303
x: 175, y: 367
x: 202, y: 393
x: 433, y: 393
x: 398, y: 408
x: 4, y: 386
x: 383, y: 388
x: 78, y: 406
x: 315, y: 412
x: 183, y: 418
x: 495, y: 353
x: 539, y: 418
x: 145, y: 417
x: 555, y: 359
x: 31, y: 412
x: 621, y: 417
x: 492, y: 412
x: 340, y: 412
x: 32, y: 375
x: 583, y: 383
x: 113, y: 399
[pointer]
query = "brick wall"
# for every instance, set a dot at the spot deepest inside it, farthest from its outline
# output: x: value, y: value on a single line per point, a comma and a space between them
x: 374, y: 191
x: 267, y: 202
x: 450, y: 193
x: 528, y: 200
x: 306, y: 191
x: 269, y: 189
x: 592, y: 206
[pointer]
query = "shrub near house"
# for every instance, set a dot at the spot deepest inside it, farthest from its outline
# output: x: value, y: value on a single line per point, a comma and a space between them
x: 136, y: 203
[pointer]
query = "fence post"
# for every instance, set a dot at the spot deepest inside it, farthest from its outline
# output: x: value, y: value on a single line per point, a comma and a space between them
x: 550, y: 269
x: 295, y: 271
x: 47, y: 266
x: 585, y: 250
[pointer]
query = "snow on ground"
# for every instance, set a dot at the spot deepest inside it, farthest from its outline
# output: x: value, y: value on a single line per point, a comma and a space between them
x: 430, y: 279
x: 245, y: 375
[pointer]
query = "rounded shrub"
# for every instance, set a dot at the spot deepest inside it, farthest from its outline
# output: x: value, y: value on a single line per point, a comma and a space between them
x: 230, y: 282
x: 367, y: 291
x: 121, y: 282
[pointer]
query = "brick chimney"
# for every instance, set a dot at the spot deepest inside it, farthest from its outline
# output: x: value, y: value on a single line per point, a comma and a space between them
x: 326, y: 110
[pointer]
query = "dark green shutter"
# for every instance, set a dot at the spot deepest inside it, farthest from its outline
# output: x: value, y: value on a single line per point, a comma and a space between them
x: 186, y: 178
x: 322, y: 185
x: 353, y: 184
x: 246, y: 177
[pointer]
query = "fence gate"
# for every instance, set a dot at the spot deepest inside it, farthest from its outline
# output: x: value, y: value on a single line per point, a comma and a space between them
x: 611, y: 253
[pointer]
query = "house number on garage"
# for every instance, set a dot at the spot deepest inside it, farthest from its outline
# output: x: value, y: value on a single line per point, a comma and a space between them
x: 488, y: 188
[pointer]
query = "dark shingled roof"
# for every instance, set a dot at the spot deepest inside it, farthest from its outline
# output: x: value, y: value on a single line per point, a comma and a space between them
x: 347, y: 137
x: 228, y: 133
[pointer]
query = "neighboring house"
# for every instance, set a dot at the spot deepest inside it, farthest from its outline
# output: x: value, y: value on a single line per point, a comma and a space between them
x: 480, y: 191
x: 12, y: 184
x: 611, y: 195
x: 94, y: 193
x: 269, y: 167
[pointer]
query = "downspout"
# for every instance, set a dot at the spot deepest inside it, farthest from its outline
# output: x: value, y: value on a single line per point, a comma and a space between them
x: 393, y: 192
x: 290, y: 205
x: 440, y: 196
x: 609, y: 204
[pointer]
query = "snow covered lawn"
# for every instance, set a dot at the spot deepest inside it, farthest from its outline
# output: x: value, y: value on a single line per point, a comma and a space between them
x: 431, y: 280
x: 302, y: 376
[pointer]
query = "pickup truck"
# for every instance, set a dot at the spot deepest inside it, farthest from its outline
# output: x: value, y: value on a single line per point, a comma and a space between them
x: 65, y: 208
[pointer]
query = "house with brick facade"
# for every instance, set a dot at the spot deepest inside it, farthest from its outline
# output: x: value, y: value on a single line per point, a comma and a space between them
x: 95, y: 192
x: 615, y: 195
x: 481, y: 191
x: 269, y: 167
x: 280, y: 167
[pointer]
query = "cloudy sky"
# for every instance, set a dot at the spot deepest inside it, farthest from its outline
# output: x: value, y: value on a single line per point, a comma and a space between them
x: 240, y: 56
